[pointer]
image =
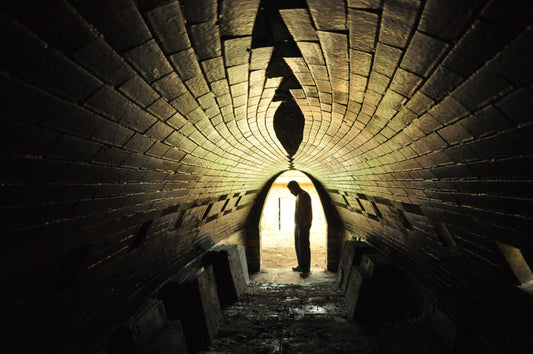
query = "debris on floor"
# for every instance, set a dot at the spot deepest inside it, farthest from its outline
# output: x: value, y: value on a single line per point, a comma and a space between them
x: 284, y: 317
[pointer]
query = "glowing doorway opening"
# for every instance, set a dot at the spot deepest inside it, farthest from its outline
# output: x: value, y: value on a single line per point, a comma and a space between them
x: 276, y: 226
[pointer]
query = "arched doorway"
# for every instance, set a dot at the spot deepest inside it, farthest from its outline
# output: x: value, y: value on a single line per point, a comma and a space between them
x: 276, y: 226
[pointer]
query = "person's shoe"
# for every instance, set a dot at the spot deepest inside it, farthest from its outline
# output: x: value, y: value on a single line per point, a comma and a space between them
x: 305, y: 274
x: 296, y: 269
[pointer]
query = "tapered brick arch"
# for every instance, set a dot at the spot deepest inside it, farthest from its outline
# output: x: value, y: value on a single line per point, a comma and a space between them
x: 335, y: 227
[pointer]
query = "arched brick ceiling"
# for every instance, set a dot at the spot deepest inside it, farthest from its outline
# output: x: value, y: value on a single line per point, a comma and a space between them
x: 408, y: 100
x: 391, y: 91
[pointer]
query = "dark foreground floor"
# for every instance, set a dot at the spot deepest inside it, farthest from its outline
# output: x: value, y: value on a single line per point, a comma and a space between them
x: 277, y: 316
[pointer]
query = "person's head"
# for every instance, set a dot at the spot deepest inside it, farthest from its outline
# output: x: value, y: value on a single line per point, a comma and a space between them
x: 294, y: 187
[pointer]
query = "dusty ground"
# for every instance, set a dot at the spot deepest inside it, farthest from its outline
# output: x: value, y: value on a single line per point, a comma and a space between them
x: 280, y: 312
x: 277, y: 250
x: 275, y: 315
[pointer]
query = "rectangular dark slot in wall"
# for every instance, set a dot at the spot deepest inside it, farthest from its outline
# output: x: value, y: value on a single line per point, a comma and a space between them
x: 378, y: 213
x: 383, y: 201
x: 373, y: 217
x: 237, y: 202
x: 528, y: 256
x: 412, y: 208
x: 360, y: 204
x: 212, y: 217
x: 140, y: 236
x: 170, y: 210
x: 346, y: 201
x: 179, y: 220
x: 224, y: 206
x: 404, y: 220
x: 69, y: 268
x: 207, y: 211
x: 442, y: 232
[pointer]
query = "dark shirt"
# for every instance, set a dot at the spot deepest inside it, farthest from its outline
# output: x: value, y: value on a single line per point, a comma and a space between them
x: 303, y: 213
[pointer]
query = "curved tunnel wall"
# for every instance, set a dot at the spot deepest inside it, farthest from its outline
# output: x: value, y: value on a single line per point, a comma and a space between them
x: 137, y: 134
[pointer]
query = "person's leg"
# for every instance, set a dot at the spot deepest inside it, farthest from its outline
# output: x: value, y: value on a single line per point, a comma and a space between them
x: 297, y: 248
x: 305, y: 251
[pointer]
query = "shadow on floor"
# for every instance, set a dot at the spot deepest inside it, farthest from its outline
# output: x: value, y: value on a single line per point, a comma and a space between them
x: 287, y: 276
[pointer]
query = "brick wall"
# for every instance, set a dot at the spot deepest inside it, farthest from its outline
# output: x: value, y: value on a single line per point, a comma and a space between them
x: 137, y: 134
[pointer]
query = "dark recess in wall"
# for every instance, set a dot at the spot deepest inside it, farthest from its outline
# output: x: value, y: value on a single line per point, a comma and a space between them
x: 140, y: 236
x: 69, y: 269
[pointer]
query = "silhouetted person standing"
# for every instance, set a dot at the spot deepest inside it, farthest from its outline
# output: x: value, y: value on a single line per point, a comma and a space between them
x: 303, y: 215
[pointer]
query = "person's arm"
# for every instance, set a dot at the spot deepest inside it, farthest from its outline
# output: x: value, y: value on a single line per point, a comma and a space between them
x: 306, y: 211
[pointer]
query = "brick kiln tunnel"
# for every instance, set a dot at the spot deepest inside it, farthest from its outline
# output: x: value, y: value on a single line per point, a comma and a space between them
x: 137, y: 135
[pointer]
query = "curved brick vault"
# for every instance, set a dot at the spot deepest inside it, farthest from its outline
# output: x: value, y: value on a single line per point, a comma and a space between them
x: 138, y: 134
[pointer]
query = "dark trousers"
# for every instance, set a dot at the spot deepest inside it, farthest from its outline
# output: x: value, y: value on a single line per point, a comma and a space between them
x: 301, y: 243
